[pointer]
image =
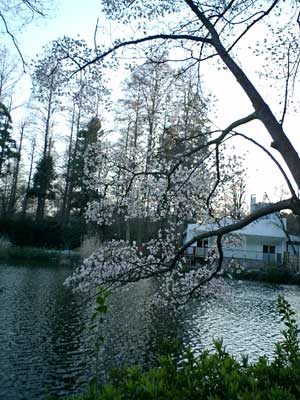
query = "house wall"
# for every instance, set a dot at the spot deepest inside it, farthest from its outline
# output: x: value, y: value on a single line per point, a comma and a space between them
x: 254, y: 249
x: 249, y: 248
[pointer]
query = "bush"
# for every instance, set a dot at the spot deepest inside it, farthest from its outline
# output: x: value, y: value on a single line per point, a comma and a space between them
x: 29, y: 254
x: 46, y: 233
x: 49, y: 233
x: 271, y: 275
x: 214, y: 376
x: 73, y: 233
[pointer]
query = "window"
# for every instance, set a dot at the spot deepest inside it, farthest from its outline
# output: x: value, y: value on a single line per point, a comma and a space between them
x: 268, y: 249
x: 202, y: 243
x: 269, y: 255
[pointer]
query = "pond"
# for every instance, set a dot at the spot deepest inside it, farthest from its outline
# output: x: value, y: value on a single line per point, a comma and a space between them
x: 47, y: 349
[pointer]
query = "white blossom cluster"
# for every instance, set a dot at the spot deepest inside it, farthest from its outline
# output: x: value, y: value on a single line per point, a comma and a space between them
x: 117, y: 262
x: 159, y: 196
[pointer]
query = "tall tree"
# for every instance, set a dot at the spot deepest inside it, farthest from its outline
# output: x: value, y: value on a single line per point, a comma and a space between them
x: 8, y: 153
x: 16, y: 172
x: 47, y: 90
x: 8, y: 75
x: 29, y: 176
x: 86, y: 96
x: 88, y: 142
x: 43, y: 184
x: 7, y: 143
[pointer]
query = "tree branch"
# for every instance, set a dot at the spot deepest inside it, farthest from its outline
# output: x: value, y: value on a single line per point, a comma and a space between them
x: 263, y: 112
x: 286, y: 92
x: 33, y: 8
x: 292, y: 204
x: 14, y: 40
x: 142, y: 40
x: 293, y: 193
x: 263, y: 15
x: 216, y: 141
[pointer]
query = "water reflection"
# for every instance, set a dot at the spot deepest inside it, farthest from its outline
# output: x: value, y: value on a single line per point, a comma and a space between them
x: 43, y: 344
x: 46, y: 348
x: 244, y: 315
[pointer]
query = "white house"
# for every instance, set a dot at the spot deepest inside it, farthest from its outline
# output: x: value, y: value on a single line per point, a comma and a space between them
x: 263, y: 242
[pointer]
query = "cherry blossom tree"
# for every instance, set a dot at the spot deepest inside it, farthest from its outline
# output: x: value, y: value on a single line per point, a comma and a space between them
x: 166, y: 185
x: 188, y: 184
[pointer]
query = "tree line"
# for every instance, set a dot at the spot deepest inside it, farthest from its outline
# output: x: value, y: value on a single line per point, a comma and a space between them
x: 59, y: 172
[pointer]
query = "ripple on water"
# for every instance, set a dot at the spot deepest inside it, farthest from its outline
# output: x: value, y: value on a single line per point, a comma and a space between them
x: 46, y: 348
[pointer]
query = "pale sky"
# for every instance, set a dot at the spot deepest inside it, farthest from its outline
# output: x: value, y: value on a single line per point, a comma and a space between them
x: 71, y: 18
x: 74, y: 18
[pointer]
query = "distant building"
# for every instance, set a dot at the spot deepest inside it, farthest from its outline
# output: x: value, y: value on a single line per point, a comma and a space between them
x: 263, y: 242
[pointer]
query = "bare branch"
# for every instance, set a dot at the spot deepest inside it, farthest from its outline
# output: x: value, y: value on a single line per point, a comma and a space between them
x: 272, y: 158
x: 14, y: 40
x: 286, y: 92
x: 280, y: 141
x: 143, y: 40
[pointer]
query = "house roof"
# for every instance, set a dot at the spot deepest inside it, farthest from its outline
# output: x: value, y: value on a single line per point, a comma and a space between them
x: 264, y: 227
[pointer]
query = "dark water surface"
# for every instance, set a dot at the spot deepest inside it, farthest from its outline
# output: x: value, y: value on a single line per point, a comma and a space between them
x: 46, y: 348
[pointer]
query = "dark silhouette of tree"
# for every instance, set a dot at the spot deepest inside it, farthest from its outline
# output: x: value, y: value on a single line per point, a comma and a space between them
x: 43, y: 184
x: 29, y: 177
x: 16, y: 172
x: 7, y: 143
x: 86, y: 149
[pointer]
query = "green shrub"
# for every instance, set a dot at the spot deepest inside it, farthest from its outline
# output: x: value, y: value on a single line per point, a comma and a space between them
x: 73, y: 233
x: 34, y: 255
x: 271, y: 275
x: 26, y: 253
x: 48, y: 233
x: 26, y: 232
x: 216, y: 376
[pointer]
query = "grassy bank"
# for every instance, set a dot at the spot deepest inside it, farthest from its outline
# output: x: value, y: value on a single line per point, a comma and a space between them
x: 20, y: 253
x: 270, y: 275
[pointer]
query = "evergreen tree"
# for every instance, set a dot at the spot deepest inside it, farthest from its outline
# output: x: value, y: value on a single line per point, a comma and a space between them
x: 43, y: 188
x: 7, y: 143
x: 8, y: 153
x: 88, y: 139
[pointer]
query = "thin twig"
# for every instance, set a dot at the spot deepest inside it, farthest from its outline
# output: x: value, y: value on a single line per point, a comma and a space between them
x: 14, y: 41
x: 293, y: 193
